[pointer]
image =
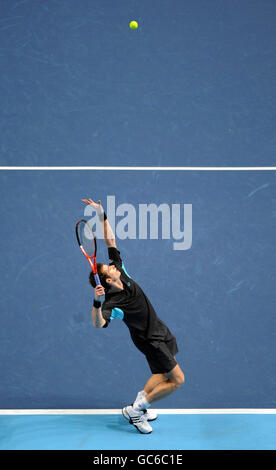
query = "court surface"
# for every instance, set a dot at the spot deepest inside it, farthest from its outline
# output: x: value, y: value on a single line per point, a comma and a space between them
x: 112, y: 431
x: 178, y: 115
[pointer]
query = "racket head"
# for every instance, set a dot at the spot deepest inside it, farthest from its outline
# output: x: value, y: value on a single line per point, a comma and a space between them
x: 87, y: 240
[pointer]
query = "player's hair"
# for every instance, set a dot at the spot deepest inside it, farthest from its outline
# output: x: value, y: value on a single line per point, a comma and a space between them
x: 102, y: 277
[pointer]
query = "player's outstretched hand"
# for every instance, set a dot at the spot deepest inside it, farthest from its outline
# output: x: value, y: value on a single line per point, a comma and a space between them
x: 99, y: 291
x: 97, y: 205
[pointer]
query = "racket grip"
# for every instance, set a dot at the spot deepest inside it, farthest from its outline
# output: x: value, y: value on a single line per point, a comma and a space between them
x: 97, y: 279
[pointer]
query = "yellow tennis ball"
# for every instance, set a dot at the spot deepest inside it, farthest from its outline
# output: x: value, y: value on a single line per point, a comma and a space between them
x: 133, y: 25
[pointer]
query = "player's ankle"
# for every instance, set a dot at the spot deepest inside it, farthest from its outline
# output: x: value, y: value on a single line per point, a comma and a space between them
x: 141, y: 404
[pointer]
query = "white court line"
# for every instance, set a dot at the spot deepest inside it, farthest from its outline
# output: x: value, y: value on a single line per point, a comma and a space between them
x: 137, y: 168
x: 180, y: 411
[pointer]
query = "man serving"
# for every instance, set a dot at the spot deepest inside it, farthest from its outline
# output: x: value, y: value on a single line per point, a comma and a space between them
x: 125, y: 299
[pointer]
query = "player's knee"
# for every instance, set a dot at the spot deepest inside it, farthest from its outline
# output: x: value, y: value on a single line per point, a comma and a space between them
x: 179, y: 379
x: 176, y: 376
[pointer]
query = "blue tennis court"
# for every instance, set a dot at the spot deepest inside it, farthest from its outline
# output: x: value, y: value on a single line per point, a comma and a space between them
x: 171, y: 431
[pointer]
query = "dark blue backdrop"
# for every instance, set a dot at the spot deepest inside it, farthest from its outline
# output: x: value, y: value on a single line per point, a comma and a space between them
x: 218, y: 298
x: 194, y: 85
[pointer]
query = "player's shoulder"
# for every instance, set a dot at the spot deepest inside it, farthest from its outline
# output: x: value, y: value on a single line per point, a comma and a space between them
x: 114, y: 255
x: 113, y: 249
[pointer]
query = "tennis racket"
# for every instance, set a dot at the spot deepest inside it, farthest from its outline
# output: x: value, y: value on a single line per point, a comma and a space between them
x: 88, y: 244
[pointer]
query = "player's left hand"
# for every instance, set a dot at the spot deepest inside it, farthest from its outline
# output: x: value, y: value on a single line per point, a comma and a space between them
x: 96, y: 205
x: 99, y: 291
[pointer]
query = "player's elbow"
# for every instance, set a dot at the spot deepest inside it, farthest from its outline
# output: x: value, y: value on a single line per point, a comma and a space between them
x: 110, y: 243
x: 99, y: 324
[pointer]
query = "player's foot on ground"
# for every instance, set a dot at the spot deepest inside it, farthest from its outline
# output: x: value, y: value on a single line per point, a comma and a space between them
x: 149, y: 414
x: 138, y: 419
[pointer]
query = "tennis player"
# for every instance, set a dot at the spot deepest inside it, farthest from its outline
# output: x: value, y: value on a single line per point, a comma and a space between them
x: 125, y: 299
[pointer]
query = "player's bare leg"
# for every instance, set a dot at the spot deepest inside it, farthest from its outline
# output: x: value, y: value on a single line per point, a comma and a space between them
x: 153, y: 381
x: 175, y: 378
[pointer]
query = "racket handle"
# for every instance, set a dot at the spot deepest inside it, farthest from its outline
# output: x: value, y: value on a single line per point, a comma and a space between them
x: 97, y: 279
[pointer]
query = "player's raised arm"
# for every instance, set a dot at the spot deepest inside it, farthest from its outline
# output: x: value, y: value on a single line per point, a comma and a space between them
x: 109, y: 236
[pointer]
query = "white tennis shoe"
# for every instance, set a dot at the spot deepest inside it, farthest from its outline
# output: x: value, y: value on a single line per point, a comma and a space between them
x: 150, y: 415
x: 138, y: 419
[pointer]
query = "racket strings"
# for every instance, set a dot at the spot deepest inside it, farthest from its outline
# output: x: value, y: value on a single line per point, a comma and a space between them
x: 86, y: 239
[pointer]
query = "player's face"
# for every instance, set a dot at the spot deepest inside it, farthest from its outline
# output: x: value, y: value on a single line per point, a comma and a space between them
x: 112, y: 272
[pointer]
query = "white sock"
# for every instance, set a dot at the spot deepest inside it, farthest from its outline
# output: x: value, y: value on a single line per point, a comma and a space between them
x: 140, y: 394
x: 141, y: 403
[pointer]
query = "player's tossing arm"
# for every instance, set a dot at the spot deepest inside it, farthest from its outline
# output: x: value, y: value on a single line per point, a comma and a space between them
x: 97, y: 317
x: 108, y: 234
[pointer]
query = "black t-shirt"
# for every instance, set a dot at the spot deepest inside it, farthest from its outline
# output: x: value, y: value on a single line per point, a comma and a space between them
x: 133, y: 307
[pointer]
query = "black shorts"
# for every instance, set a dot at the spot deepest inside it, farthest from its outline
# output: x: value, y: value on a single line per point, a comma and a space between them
x: 159, y: 354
